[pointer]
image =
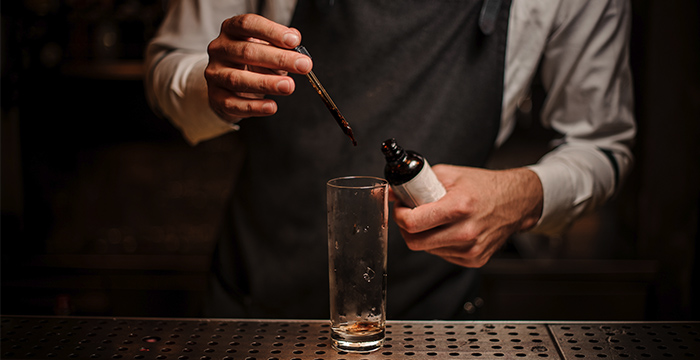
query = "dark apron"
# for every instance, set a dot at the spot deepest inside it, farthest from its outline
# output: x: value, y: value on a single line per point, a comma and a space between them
x: 419, y: 71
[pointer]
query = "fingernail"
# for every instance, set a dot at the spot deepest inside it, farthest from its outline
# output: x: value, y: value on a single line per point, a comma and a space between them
x: 284, y: 86
x: 303, y: 64
x: 291, y: 39
x: 268, y: 108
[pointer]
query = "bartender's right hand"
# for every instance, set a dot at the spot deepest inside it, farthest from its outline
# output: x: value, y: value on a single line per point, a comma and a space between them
x: 248, y: 60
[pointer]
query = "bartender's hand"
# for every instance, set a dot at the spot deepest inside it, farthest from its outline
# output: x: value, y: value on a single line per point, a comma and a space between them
x: 481, y: 209
x: 248, y: 60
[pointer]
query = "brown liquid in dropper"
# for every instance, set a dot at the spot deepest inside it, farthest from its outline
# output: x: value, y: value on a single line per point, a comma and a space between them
x: 327, y: 99
x: 338, y: 117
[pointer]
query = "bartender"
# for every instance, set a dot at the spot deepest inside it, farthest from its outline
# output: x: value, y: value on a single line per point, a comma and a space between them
x: 442, y: 77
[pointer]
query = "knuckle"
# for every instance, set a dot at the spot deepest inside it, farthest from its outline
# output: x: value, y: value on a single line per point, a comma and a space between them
x: 211, y: 73
x: 261, y: 84
x: 233, y: 81
x: 219, y: 107
x: 475, y: 252
x: 285, y: 59
x: 212, y: 46
x: 477, y: 256
x: 482, y: 260
x: 464, y: 208
x: 254, y: 84
x: 216, y: 49
x: 399, y: 219
x: 477, y: 263
x: 414, y: 245
x: 409, y: 225
x: 227, y: 24
x: 243, y: 21
x: 247, y: 50
x: 236, y: 107
x: 469, y: 234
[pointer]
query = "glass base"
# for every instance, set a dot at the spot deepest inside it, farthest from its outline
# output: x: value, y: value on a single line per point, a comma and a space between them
x: 357, y: 343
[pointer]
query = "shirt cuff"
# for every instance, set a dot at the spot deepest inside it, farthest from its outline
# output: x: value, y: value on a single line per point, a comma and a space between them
x: 574, y: 180
x: 187, y: 104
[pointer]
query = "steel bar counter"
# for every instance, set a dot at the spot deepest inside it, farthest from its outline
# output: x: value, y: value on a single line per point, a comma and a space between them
x: 30, y: 337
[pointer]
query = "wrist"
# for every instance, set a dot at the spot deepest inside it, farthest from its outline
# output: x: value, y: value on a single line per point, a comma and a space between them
x: 529, y: 196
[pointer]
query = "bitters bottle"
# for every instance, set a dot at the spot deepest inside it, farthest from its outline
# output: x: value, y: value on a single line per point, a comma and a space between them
x: 410, y: 176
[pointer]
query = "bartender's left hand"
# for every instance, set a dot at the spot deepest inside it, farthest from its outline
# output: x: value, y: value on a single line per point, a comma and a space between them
x: 481, y: 209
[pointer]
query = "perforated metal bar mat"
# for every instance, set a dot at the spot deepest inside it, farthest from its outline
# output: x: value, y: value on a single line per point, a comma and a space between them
x: 129, y: 338
x: 629, y: 340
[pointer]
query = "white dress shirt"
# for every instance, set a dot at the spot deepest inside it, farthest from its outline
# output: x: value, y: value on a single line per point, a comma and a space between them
x: 581, y: 46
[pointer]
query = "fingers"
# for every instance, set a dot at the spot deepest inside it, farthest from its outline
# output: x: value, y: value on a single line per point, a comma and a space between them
x: 481, y: 209
x: 248, y: 60
x: 448, y: 209
x: 233, y: 107
x: 234, y: 94
x: 458, y: 227
x: 256, y: 41
x: 429, y: 216
x: 449, y: 235
x: 241, y: 54
x: 472, y: 253
x: 249, y: 82
x: 466, y: 262
x: 473, y: 256
x: 255, y: 26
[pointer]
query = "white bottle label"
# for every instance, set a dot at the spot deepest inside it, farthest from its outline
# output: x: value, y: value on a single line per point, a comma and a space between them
x: 422, y: 189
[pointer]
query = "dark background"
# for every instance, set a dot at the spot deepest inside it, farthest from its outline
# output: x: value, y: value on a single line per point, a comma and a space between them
x: 106, y: 211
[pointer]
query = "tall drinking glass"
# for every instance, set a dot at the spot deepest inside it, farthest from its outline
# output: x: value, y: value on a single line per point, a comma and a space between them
x: 357, y: 252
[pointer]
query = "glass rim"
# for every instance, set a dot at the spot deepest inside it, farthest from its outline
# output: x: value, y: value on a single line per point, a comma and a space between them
x: 377, y: 182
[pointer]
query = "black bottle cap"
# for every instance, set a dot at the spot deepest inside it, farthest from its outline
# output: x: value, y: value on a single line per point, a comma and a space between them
x: 391, y: 149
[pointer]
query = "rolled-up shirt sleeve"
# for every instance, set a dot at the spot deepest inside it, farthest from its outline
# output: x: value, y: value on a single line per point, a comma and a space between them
x: 585, y: 71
